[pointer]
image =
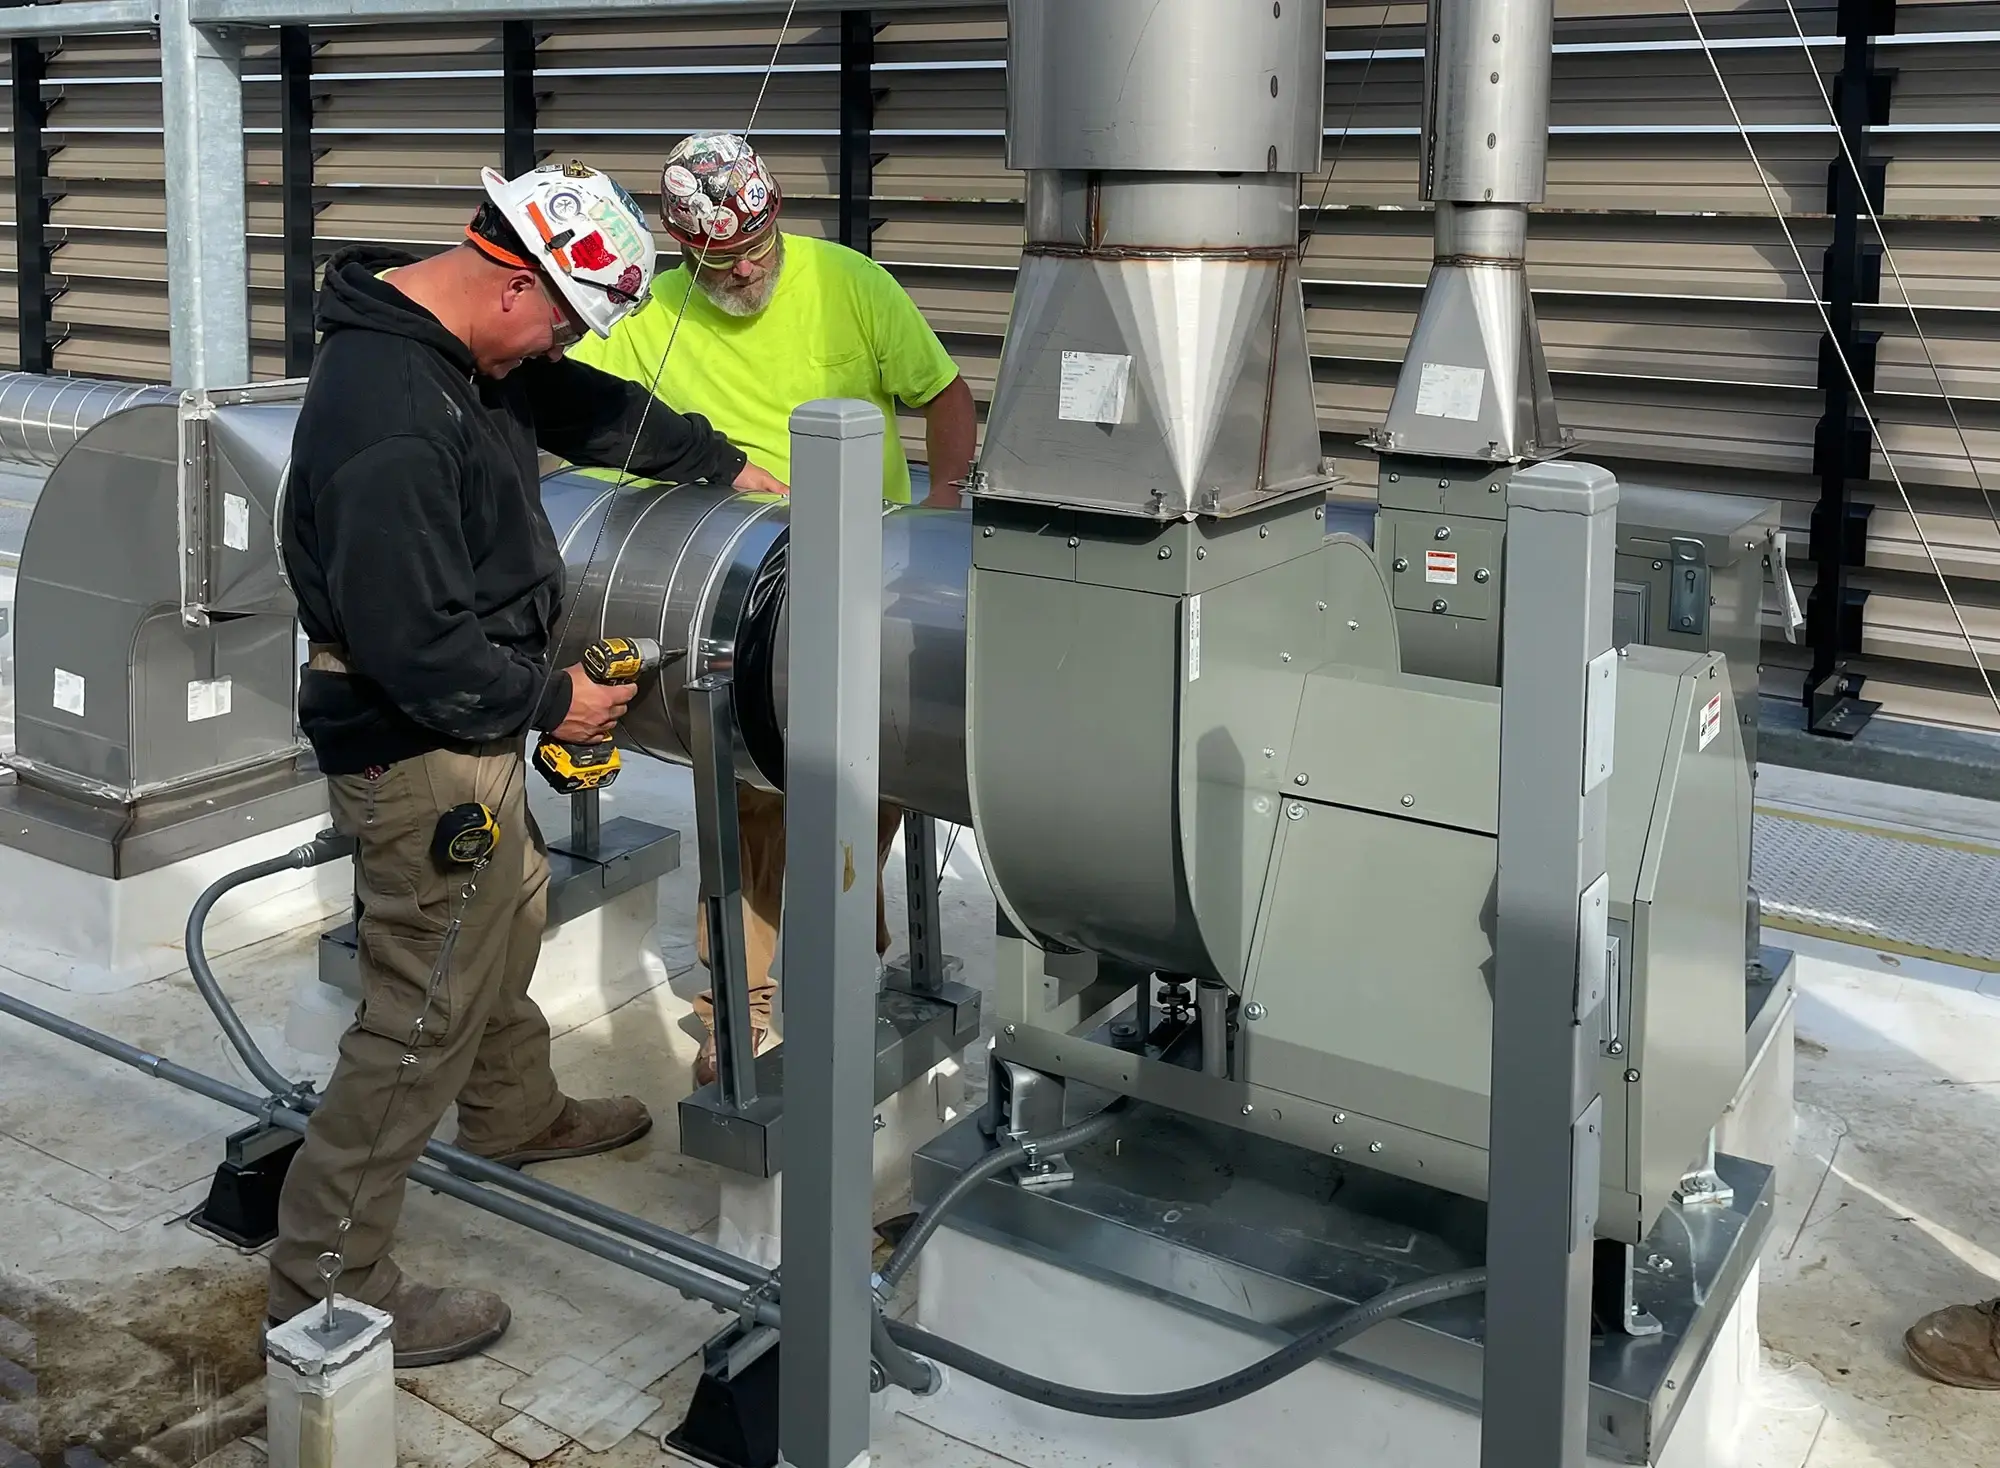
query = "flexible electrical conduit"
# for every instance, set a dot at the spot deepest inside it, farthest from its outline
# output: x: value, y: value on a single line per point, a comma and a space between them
x: 328, y: 846
x: 899, y: 1347
x: 903, y: 1350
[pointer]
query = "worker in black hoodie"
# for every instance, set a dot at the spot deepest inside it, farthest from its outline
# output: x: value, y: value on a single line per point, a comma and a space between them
x: 429, y: 584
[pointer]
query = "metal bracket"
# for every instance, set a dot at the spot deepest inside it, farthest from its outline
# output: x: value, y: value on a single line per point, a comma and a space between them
x: 1614, y: 1296
x: 195, y: 479
x: 1030, y: 1103
x: 1687, y: 591
x: 1790, y: 614
x: 1702, y: 1186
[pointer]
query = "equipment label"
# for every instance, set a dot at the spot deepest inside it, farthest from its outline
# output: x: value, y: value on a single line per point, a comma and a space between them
x: 1441, y: 566
x: 1711, y: 720
x: 207, y: 699
x: 69, y: 693
x: 235, y: 522
x: 1194, y: 637
x: 1093, y: 387
x: 1444, y: 391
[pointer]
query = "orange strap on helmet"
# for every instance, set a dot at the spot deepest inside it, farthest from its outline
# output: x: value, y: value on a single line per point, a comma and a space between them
x: 497, y: 254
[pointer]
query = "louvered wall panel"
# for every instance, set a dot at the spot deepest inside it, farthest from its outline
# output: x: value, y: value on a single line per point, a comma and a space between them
x: 10, y: 349
x: 1681, y: 333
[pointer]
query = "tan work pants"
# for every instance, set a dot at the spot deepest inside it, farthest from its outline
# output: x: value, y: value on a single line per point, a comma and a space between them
x: 760, y: 818
x: 483, y: 1043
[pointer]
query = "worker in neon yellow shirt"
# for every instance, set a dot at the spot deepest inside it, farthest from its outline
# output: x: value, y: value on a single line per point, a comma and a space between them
x: 768, y: 320
x: 759, y: 322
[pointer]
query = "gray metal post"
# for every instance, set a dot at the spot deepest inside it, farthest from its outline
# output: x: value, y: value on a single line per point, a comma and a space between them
x: 1558, y: 697
x: 712, y: 730
x: 208, y: 281
x: 832, y: 739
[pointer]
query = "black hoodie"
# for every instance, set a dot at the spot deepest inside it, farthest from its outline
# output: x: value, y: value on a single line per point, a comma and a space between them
x: 414, y: 532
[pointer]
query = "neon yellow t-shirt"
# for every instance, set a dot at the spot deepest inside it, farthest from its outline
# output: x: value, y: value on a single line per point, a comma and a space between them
x: 837, y: 326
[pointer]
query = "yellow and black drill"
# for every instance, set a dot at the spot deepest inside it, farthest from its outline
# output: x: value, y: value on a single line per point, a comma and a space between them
x: 576, y: 767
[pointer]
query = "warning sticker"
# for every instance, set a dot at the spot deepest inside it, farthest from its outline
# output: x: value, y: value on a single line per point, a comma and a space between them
x: 1441, y: 566
x: 208, y: 698
x: 1711, y: 720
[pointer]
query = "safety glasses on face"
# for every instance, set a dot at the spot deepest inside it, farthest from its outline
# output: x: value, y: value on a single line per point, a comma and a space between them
x: 708, y: 257
x: 565, y: 331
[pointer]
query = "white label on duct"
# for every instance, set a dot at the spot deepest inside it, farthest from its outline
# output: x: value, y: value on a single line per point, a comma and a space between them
x: 208, y: 698
x: 1441, y: 566
x: 1711, y: 720
x: 69, y: 693
x: 1093, y: 387
x: 1450, y: 392
x: 236, y: 522
x: 1194, y: 638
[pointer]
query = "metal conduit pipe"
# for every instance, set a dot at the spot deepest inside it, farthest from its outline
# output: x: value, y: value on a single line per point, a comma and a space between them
x: 701, y: 567
x: 324, y: 848
x: 727, y: 1293
x: 41, y: 417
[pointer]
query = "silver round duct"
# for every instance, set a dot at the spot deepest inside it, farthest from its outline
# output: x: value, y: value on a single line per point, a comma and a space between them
x: 701, y: 568
x: 41, y: 417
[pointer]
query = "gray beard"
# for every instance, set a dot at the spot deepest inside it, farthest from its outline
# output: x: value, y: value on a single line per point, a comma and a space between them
x: 732, y: 300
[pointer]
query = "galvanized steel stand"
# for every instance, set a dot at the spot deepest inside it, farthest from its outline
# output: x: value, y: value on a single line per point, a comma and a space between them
x: 208, y: 265
x: 1558, y: 716
x: 829, y: 938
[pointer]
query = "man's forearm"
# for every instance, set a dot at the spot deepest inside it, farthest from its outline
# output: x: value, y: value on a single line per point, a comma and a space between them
x: 951, y: 434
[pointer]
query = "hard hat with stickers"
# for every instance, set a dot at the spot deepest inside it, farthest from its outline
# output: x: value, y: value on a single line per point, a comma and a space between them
x: 585, y: 232
x: 716, y: 195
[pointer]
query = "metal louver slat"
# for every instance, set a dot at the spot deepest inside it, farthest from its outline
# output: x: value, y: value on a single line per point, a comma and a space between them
x: 1682, y: 337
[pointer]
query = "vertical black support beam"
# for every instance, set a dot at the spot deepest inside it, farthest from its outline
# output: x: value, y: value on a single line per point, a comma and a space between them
x: 712, y: 710
x: 517, y: 121
x: 295, y: 104
x: 857, y: 129
x: 31, y: 208
x: 1843, y: 446
x: 920, y: 865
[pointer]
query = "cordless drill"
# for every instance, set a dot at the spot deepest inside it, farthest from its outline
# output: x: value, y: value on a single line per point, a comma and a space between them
x: 609, y: 661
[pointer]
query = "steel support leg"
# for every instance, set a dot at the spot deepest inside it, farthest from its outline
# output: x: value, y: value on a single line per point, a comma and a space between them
x: 711, y: 714
x: 857, y: 130
x: 517, y: 98
x: 31, y: 209
x: 920, y: 864
x: 208, y: 279
x: 295, y: 109
x: 1557, y: 715
x: 831, y: 792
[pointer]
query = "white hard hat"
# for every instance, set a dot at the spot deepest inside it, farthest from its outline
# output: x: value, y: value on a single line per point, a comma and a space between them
x: 584, y: 232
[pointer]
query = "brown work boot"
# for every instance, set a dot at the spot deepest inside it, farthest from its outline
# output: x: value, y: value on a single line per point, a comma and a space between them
x: 582, y: 1129
x: 433, y: 1326
x: 1959, y: 1346
x: 704, y: 1063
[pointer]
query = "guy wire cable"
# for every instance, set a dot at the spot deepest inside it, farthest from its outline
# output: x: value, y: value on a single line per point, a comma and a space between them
x: 1308, y: 229
x: 1889, y: 256
x: 1847, y: 367
x: 337, y: 1254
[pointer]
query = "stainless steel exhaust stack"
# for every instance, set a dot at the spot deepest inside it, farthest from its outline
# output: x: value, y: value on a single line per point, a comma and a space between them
x: 1474, y: 384
x: 1156, y: 359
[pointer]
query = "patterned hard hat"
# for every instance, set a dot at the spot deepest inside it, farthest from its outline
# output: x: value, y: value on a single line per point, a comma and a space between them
x: 584, y: 231
x: 716, y: 195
